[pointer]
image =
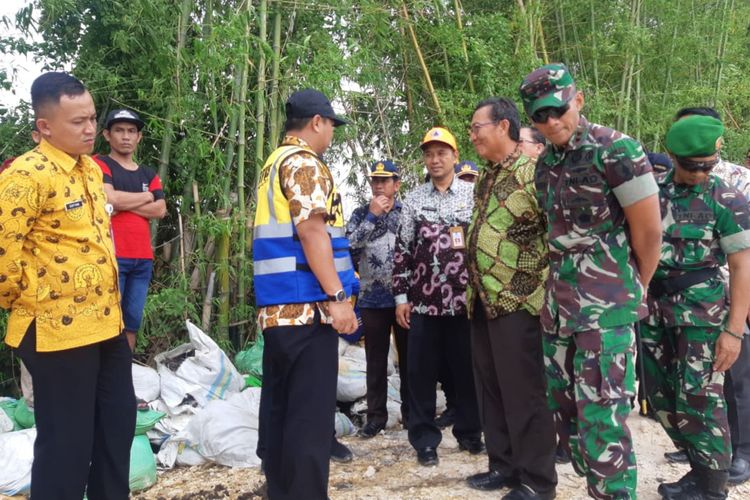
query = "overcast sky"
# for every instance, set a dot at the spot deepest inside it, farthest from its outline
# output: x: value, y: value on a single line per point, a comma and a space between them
x: 26, y: 68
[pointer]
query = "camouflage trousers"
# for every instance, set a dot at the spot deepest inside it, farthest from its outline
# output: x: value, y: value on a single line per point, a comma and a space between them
x: 590, y: 380
x: 685, y: 392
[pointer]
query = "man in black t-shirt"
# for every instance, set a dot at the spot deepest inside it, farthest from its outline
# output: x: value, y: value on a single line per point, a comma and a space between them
x: 136, y: 196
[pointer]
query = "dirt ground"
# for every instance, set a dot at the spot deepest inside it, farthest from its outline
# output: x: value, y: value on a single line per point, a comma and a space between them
x: 385, y: 467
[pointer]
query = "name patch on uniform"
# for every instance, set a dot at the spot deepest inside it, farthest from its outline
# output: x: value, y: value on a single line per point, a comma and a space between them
x: 693, y: 216
x: 585, y: 179
x: 73, y: 205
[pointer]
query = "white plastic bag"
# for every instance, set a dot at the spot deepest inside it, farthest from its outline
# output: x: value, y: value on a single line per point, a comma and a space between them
x: 224, y: 432
x: 343, y: 425
x: 16, y: 457
x: 146, y: 383
x: 352, y: 378
x: 196, y: 373
x: 6, y: 424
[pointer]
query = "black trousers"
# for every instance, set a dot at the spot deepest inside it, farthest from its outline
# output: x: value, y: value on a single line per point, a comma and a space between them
x: 84, y: 406
x: 297, y: 407
x: 377, y: 324
x: 446, y: 383
x: 509, y: 373
x: 737, y: 393
x: 430, y: 338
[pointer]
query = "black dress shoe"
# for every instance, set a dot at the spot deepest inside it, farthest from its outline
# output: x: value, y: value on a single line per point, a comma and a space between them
x: 676, y: 457
x: 427, y: 456
x: 475, y: 446
x: 561, y: 456
x: 679, y: 487
x: 446, y: 419
x: 492, y: 480
x: 524, y: 492
x: 739, y: 472
x: 370, y: 430
x: 340, y: 453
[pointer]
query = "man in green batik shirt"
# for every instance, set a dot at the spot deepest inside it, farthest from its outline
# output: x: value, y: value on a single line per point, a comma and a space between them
x: 507, y: 262
x: 597, y: 190
x: 689, y: 339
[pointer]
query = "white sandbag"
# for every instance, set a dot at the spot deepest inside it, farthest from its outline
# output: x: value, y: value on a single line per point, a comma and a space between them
x: 352, y: 380
x: 6, y: 424
x: 394, y: 414
x: 343, y: 425
x: 224, y: 432
x: 196, y: 373
x: 16, y: 456
x: 167, y: 426
x: 146, y: 383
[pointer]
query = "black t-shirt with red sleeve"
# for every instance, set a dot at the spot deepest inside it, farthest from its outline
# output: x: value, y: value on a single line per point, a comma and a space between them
x: 132, y: 233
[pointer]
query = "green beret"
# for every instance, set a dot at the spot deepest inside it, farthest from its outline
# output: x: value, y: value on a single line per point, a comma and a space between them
x: 694, y: 136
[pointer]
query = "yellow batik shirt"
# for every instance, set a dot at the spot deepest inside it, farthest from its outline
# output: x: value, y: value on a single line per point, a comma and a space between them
x: 57, y: 259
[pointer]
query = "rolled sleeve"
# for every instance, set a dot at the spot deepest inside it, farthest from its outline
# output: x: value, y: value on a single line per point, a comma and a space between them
x: 735, y: 242
x: 636, y: 189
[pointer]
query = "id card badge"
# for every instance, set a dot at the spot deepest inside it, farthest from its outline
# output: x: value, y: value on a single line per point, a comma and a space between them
x: 457, y: 237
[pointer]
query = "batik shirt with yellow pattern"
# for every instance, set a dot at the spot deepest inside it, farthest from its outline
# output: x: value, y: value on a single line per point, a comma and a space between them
x: 306, y: 183
x: 508, y: 258
x: 57, y: 260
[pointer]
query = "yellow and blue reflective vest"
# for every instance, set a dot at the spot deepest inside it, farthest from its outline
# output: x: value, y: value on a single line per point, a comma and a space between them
x: 281, y: 272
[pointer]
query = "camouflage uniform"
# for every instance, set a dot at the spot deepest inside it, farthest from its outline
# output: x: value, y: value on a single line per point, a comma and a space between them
x: 701, y: 224
x: 593, y: 297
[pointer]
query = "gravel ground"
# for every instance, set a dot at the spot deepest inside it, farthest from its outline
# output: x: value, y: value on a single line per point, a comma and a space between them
x: 385, y: 467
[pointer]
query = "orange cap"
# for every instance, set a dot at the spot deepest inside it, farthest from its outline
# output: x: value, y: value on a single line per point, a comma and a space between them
x: 440, y: 134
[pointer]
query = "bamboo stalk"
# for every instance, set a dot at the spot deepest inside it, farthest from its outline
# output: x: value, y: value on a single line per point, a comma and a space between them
x: 423, y: 65
x: 459, y: 23
x: 207, y: 302
x: 260, y: 93
x: 722, y: 48
x: 222, y: 275
x: 594, y: 52
x: 275, y: 96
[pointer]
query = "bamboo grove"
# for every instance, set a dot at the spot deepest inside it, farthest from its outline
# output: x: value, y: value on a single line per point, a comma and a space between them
x: 211, y: 77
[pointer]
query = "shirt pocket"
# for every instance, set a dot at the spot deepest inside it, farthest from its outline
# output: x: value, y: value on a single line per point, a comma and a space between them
x: 691, y: 242
x: 586, y: 211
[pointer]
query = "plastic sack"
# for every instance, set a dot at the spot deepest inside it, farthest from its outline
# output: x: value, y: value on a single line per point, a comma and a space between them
x: 142, y: 464
x: 8, y: 408
x: 343, y: 425
x: 196, y: 373
x: 6, y: 423
x: 24, y: 416
x: 224, y: 432
x: 145, y: 420
x: 250, y: 360
x: 146, y: 383
x: 16, y: 457
x: 352, y: 378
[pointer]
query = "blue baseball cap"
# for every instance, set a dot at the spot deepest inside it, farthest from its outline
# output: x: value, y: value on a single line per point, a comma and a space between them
x: 466, y: 167
x: 384, y: 168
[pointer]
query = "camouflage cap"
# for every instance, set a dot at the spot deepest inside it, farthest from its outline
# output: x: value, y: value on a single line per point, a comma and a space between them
x: 695, y: 136
x: 551, y: 85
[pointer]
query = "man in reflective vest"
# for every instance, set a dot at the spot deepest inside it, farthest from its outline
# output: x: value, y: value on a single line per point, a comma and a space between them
x: 303, y: 280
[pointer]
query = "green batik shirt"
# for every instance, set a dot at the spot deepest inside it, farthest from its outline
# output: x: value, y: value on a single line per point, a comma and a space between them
x: 582, y: 188
x: 507, y: 241
x: 701, y: 225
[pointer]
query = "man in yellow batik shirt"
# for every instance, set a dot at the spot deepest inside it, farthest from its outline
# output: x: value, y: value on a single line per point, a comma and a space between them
x: 58, y: 277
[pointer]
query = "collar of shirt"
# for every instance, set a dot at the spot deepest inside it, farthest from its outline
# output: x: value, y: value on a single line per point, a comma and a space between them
x: 672, y: 189
x: 451, y: 188
x: 293, y: 140
x: 576, y: 140
x: 509, y: 164
x: 57, y: 156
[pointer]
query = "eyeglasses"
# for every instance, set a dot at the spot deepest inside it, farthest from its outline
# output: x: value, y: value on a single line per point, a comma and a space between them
x: 544, y: 114
x: 697, y: 166
x: 475, y: 127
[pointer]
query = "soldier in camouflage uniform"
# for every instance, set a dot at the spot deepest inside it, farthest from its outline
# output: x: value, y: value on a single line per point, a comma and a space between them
x: 590, y: 182
x: 689, y: 339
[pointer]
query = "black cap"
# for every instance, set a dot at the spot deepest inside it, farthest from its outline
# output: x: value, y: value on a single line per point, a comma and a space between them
x: 310, y: 102
x: 124, y: 115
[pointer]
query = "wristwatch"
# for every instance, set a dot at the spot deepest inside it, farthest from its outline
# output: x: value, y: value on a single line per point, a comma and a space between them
x: 339, y: 296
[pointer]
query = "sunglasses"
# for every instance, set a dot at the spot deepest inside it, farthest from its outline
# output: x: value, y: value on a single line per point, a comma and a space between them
x: 697, y: 166
x: 544, y: 114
